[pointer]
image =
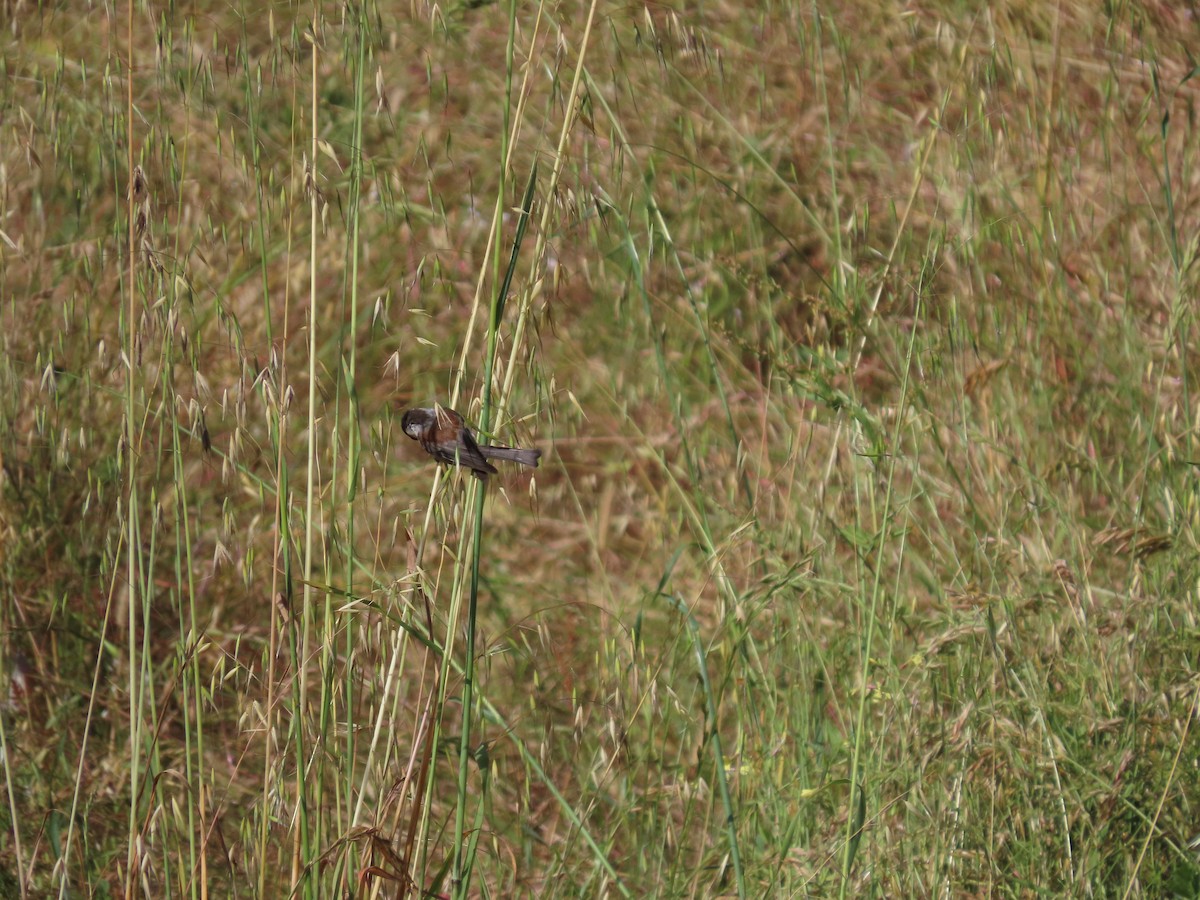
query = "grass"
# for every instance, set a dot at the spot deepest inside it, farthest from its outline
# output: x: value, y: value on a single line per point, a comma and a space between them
x: 862, y: 556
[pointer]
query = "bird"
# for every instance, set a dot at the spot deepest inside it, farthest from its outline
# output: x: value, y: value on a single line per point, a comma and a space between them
x: 444, y: 435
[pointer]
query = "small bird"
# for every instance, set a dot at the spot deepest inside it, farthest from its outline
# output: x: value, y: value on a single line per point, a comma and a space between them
x: 445, y: 436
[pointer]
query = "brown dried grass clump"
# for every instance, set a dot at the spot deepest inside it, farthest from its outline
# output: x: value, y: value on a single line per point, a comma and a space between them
x: 858, y: 347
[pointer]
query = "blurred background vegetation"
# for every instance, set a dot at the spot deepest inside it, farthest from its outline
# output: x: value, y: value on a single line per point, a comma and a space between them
x: 859, y: 342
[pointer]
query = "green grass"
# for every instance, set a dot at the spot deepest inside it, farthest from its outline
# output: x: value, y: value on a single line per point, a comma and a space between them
x: 862, y: 558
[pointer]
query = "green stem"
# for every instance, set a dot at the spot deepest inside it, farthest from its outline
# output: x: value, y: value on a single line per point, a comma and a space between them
x: 710, y: 702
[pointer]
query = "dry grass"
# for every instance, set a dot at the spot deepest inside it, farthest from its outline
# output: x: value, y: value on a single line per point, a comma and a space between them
x: 866, y: 340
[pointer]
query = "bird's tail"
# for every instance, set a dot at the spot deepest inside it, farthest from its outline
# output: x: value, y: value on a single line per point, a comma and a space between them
x: 512, y: 454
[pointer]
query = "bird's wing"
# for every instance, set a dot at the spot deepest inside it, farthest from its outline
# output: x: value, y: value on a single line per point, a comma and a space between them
x: 470, y: 454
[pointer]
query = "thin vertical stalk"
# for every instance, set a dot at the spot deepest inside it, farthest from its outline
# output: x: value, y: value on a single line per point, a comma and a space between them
x: 857, y: 795
x: 190, y: 677
x: 22, y: 874
x: 282, y: 546
x: 131, y: 855
x: 463, y: 863
x: 347, y: 500
x: 710, y: 702
x: 306, y: 842
x: 192, y: 687
x: 462, y: 866
x: 560, y: 155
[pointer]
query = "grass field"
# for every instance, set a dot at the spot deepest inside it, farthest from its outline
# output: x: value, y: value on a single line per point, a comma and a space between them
x: 858, y: 338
